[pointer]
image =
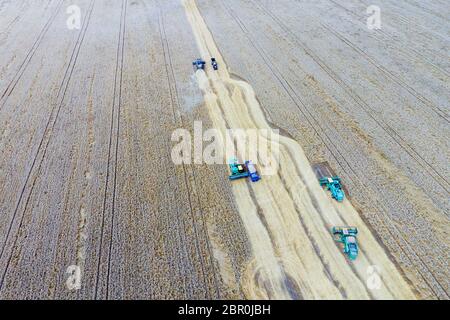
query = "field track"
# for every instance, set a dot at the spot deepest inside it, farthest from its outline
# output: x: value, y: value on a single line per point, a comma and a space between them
x: 289, y: 217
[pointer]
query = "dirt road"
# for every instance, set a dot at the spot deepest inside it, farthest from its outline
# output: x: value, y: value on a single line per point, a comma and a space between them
x: 288, y: 218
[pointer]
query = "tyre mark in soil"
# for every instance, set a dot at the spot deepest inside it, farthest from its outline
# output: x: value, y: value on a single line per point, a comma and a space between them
x: 164, y: 45
x: 432, y: 12
x: 19, y: 16
x: 436, y: 109
x: 43, y: 145
x: 259, y: 211
x: 308, y: 232
x: 396, y: 231
x: 116, y: 154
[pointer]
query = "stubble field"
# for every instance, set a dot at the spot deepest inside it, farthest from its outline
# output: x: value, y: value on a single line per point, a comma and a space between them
x: 87, y: 178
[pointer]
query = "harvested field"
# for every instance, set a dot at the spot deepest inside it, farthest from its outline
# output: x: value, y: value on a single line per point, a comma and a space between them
x: 93, y: 207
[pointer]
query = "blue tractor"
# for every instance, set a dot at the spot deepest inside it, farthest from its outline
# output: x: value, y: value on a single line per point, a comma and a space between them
x: 347, y: 236
x: 199, y: 64
x: 254, y: 176
x: 333, y: 184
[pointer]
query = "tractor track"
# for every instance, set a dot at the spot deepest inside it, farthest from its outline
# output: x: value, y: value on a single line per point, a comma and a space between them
x: 279, y: 207
x: 309, y: 233
x: 314, y: 243
x: 438, y: 111
x: 23, y: 66
x: 291, y: 92
x: 421, y: 9
x: 362, y: 185
x: 168, y: 61
x: 428, y: 10
x: 7, y: 28
x: 47, y: 132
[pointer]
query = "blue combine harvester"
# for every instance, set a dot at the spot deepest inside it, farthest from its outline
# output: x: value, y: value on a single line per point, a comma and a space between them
x: 214, y: 64
x: 330, y: 180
